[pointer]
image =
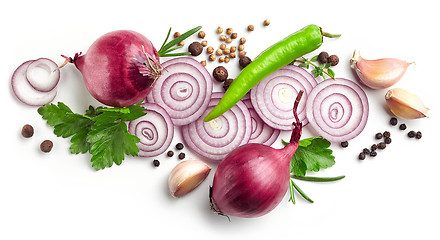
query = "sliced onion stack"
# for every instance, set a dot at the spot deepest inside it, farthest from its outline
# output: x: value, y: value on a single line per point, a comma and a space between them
x: 218, y: 137
x: 261, y: 132
x: 183, y: 89
x: 155, y: 130
x: 32, y: 88
x: 274, y: 96
x: 337, y: 109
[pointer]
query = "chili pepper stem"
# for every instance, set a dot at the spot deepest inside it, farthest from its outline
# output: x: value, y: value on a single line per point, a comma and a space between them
x: 329, y: 35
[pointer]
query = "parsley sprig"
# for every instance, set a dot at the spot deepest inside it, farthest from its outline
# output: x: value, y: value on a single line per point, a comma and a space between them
x: 318, y: 70
x: 100, y: 131
x: 313, y: 154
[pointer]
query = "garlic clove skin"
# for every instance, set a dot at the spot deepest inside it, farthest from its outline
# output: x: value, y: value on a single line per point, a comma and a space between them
x: 405, y: 105
x: 380, y: 73
x: 186, y: 176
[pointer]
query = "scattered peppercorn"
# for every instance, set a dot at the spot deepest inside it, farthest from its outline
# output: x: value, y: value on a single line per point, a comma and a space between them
x: 333, y: 59
x: 181, y: 156
x: 411, y: 134
x: 402, y: 126
x: 366, y: 151
x: 179, y: 146
x: 418, y: 135
x: 220, y: 73
x: 323, y: 57
x: 344, y: 144
x: 393, y: 121
x: 379, y: 135
x: 201, y: 34
x: 195, y: 48
x: 170, y: 153
x: 251, y: 28
x: 373, y: 153
x: 156, y: 163
x: 382, y: 145
x: 373, y: 147
x: 176, y: 34
x: 266, y: 22
x: 46, y: 146
x: 27, y: 131
x: 227, y: 83
x: 234, y: 35
x: 361, y: 156
x: 386, y: 134
x: 244, y: 61
x: 387, y: 140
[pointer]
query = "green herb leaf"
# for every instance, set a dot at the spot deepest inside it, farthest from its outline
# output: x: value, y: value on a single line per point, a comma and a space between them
x: 331, y: 73
x: 314, y: 59
x: 165, y: 47
x: 292, y: 190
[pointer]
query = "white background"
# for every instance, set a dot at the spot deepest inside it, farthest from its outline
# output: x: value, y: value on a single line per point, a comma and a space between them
x: 59, y: 195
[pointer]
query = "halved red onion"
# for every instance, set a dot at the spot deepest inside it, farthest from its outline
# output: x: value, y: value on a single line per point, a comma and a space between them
x: 261, y: 132
x: 183, y: 89
x: 43, y: 74
x: 337, y: 109
x: 218, y: 137
x: 25, y: 92
x: 274, y: 96
x: 155, y: 130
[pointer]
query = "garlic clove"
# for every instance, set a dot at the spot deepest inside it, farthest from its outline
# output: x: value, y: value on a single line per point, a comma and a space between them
x: 379, y: 73
x: 404, y: 104
x: 186, y: 176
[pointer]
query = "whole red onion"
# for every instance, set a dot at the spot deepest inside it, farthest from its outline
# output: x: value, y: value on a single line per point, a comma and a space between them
x: 253, y: 179
x: 119, y: 68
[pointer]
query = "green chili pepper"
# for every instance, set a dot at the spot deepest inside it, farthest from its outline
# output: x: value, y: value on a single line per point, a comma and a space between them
x: 275, y: 57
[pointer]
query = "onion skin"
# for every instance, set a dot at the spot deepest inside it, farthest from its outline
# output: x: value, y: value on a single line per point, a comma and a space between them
x: 119, y: 68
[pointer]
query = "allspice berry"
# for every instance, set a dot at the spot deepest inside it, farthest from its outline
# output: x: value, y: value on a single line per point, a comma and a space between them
x: 333, y: 59
x: 227, y: 83
x: 27, y: 131
x: 323, y: 57
x: 46, y: 146
x: 220, y: 73
x: 195, y: 48
x: 244, y: 61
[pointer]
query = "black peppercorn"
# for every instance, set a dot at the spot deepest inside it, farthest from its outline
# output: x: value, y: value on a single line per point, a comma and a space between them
x: 227, y: 83
x: 386, y: 134
x: 366, y: 151
x: 387, y: 140
x: 46, y: 146
x: 220, y: 73
x: 156, y: 163
x: 344, y: 144
x: 170, y: 153
x: 179, y: 146
x: 382, y: 145
x: 323, y: 57
x: 379, y: 135
x: 373, y: 153
x: 393, y: 121
x: 419, y: 135
x: 361, y: 156
x: 195, y: 48
x: 181, y: 156
x: 411, y: 134
x: 402, y: 126
x: 244, y: 61
x: 373, y: 147
x: 333, y: 59
x: 27, y: 131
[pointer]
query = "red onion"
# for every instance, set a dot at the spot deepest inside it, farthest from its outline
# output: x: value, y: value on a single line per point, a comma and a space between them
x: 155, y: 130
x: 261, y: 132
x: 184, y: 89
x: 218, y: 137
x: 253, y: 179
x: 274, y: 96
x: 119, y: 68
x: 337, y: 109
x: 51, y: 72
x: 24, y: 91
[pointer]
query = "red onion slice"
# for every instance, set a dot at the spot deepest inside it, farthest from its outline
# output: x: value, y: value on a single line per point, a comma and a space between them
x: 183, y: 90
x: 25, y: 92
x: 337, y: 109
x: 261, y: 132
x: 155, y: 130
x: 43, y: 74
x: 218, y: 137
x: 274, y: 96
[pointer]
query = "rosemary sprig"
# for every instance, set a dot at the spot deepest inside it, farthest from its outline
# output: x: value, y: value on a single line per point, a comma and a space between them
x: 166, y: 48
x: 319, y: 70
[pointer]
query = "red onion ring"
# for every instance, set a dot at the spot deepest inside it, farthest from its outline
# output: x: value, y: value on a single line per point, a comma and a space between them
x: 274, y: 96
x: 183, y: 90
x: 337, y: 109
x: 218, y: 137
x: 261, y: 132
x: 47, y: 83
x: 25, y: 92
x: 155, y: 130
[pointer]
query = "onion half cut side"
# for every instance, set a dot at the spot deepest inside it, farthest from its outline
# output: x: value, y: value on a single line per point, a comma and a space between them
x: 24, y: 91
x: 43, y: 74
x: 183, y: 89
x: 338, y: 109
x: 218, y: 137
x: 155, y: 130
x: 261, y: 132
x: 274, y: 96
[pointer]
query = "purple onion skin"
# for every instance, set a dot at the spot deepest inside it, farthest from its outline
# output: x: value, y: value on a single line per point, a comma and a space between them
x: 115, y: 70
x: 253, y: 179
